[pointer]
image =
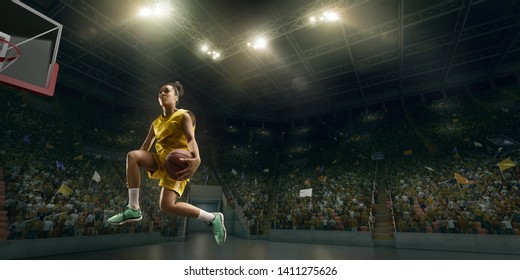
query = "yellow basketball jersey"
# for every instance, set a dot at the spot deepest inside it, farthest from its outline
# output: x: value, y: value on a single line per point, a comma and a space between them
x: 169, y: 134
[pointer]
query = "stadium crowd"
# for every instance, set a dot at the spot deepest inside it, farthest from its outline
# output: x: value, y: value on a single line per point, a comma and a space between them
x: 52, y: 190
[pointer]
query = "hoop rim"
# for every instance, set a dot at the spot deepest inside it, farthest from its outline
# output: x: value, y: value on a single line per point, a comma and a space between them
x: 12, y: 57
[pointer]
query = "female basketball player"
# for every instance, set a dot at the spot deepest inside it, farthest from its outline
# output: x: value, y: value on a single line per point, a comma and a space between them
x: 173, y: 129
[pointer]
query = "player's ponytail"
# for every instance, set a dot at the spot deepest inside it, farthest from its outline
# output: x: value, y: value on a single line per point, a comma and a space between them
x: 179, y: 88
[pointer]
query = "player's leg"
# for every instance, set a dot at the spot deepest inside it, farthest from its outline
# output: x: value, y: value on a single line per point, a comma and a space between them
x: 135, y: 160
x: 169, y: 204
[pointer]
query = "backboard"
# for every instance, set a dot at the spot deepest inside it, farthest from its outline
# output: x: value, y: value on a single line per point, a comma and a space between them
x: 37, y: 39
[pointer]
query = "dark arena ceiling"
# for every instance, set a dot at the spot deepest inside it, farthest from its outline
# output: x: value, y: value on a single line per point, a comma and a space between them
x: 377, y: 54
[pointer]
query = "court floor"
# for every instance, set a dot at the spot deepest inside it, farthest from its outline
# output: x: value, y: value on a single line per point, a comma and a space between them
x: 202, y: 246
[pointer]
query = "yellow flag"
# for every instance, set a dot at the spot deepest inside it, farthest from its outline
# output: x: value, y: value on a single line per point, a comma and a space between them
x: 407, y: 152
x: 80, y: 157
x: 65, y: 190
x: 461, y: 179
x: 506, y: 164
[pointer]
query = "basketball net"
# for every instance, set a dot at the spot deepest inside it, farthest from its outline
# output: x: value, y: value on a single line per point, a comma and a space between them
x: 9, y: 53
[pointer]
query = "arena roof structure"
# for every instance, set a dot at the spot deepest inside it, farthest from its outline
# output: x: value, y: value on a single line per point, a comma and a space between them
x: 376, y: 54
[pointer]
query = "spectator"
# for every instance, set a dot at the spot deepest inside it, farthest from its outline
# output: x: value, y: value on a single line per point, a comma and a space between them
x: 47, y: 227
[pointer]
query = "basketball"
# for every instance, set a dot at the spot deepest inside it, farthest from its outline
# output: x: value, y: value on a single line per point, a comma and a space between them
x: 173, y: 162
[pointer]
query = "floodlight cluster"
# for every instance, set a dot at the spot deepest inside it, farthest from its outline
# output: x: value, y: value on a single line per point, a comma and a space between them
x: 214, y: 54
x: 259, y: 43
x: 164, y: 9
x: 327, y: 16
x: 157, y: 10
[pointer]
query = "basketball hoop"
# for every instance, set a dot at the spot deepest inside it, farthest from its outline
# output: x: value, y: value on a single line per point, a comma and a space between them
x: 9, y: 53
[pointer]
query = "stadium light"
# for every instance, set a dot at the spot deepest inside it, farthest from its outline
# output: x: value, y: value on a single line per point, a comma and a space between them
x: 327, y: 16
x: 145, y: 12
x: 158, y: 10
x: 258, y: 43
x: 209, y: 51
x: 330, y: 16
x: 216, y: 55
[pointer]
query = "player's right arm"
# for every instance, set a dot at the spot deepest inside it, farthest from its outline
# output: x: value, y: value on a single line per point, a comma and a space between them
x: 147, y: 145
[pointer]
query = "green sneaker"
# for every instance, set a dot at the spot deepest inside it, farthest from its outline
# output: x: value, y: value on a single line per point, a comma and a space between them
x: 128, y: 215
x: 217, y: 225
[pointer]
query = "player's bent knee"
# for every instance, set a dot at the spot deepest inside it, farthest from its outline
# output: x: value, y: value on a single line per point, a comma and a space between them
x: 139, y: 157
x: 169, y: 208
x: 132, y: 156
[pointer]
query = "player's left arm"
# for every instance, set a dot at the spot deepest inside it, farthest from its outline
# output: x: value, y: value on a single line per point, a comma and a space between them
x: 188, y: 124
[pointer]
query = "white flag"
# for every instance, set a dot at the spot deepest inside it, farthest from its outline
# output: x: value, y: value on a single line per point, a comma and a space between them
x: 477, y: 144
x: 429, y: 168
x: 96, y: 177
x: 266, y: 170
x: 234, y: 172
x: 306, y: 192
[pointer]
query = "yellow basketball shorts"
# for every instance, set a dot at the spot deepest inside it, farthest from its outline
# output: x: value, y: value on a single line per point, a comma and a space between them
x: 165, y: 180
